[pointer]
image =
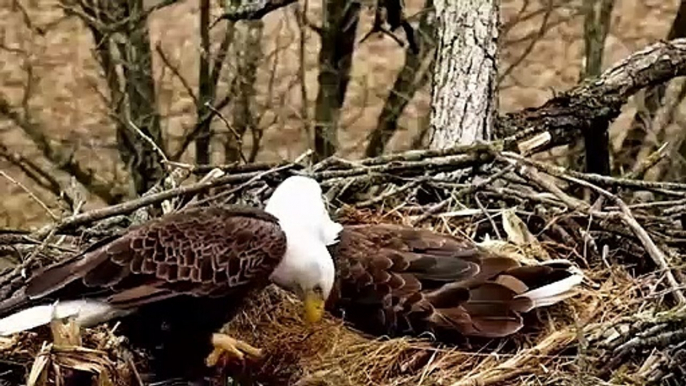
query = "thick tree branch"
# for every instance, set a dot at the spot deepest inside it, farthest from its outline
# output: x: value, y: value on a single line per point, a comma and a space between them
x: 598, y: 98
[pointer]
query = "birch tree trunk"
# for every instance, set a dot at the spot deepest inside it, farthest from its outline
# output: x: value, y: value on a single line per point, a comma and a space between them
x: 463, y: 101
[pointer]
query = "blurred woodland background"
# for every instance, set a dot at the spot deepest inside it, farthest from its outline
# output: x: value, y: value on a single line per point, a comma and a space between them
x: 70, y: 68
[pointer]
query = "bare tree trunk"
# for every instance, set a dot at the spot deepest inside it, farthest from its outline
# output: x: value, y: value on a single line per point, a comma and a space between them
x: 133, y: 96
x: 463, y: 102
x: 410, y: 79
x: 205, y: 89
x: 142, y: 103
x: 248, y: 43
x: 596, y: 141
x: 335, y: 60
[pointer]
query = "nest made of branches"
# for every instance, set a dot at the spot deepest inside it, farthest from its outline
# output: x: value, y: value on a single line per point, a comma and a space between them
x: 626, y: 325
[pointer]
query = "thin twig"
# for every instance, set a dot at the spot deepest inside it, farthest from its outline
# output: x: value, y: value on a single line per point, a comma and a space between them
x: 469, y: 189
x: 176, y: 72
x: 387, y: 195
x: 598, y: 179
x: 488, y: 216
x: 236, y: 136
x: 653, y: 251
x: 31, y: 194
x: 149, y: 140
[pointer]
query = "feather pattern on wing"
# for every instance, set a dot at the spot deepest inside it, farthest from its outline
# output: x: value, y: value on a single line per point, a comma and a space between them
x: 394, y: 280
x: 198, y: 252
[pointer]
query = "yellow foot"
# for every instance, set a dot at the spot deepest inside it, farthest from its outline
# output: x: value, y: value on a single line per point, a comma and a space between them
x: 230, y: 349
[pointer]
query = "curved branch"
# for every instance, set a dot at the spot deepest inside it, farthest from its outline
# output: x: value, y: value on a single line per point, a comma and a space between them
x: 61, y: 157
x: 598, y: 98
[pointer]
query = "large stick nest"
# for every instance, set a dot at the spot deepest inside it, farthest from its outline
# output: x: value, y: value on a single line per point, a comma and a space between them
x: 627, y: 324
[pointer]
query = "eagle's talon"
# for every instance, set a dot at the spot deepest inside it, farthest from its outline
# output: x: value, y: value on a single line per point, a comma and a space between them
x: 231, y: 349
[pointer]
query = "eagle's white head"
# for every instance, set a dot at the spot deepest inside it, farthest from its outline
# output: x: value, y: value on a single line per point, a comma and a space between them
x: 307, y: 268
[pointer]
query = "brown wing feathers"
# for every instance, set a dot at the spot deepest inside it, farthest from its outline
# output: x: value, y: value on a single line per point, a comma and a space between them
x: 396, y: 280
x: 202, y: 251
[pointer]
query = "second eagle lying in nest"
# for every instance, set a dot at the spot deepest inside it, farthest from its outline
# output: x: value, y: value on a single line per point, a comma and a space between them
x: 174, y: 281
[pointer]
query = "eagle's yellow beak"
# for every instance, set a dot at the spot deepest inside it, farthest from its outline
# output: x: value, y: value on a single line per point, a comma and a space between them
x: 314, y: 306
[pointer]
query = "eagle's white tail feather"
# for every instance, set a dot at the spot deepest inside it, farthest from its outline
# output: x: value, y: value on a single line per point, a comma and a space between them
x: 554, y: 292
x: 87, y: 313
x: 549, y: 301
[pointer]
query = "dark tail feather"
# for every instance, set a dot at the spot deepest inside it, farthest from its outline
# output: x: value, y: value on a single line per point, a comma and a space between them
x: 493, y: 309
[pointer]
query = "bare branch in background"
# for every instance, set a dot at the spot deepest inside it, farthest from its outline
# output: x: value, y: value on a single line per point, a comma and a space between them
x: 272, y: 99
x: 636, y: 145
x: 522, y: 17
x: 306, y: 22
x: 553, y: 13
x: 207, y: 81
x: 58, y: 154
x: 548, y: 10
x: 61, y: 157
x: 250, y: 10
x: 302, y: 69
x: 564, y: 115
x: 419, y: 141
x: 31, y: 194
x: 189, y: 137
x: 132, y: 95
x: 391, y: 12
x: 175, y: 70
x: 40, y: 176
x: 248, y: 57
x: 411, y: 78
x: 84, y: 12
x: 204, y: 121
x: 673, y: 95
x: 335, y: 62
x: 222, y: 51
x: 232, y: 132
x: 205, y: 87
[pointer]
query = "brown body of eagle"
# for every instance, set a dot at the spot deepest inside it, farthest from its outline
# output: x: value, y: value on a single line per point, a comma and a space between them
x: 211, y: 252
x: 183, y: 274
x: 395, y: 280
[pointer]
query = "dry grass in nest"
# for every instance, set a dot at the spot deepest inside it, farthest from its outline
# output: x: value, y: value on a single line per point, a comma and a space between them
x: 546, y: 351
x: 67, y: 351
x: 333, y: 354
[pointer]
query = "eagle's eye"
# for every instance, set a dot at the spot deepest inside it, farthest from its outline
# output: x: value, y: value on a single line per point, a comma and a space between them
x: 318, y: 290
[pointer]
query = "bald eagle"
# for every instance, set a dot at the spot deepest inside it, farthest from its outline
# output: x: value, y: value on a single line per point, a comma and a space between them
x: 192, y: 269
x: 176, y: 280
x: 395, y: 280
